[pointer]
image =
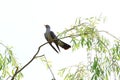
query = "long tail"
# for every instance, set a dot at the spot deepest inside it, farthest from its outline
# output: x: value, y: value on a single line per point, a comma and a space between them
x: 53, y: 47
x: 63, y: 45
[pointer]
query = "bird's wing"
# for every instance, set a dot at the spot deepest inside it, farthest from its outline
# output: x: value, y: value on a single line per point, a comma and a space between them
x: 50, y: 43
x: 56, y: 39
x: 53, y: 47
x: 53, y: 35
x: 59, y: 42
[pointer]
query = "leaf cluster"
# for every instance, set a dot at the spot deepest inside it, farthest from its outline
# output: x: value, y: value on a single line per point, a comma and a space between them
x: 8, y: 63
x: 84, y: 34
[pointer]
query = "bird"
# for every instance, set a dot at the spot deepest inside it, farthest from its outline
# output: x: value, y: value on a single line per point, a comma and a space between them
x: 52, y: 38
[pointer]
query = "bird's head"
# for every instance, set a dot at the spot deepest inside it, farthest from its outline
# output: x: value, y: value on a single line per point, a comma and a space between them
x: 47, y: 26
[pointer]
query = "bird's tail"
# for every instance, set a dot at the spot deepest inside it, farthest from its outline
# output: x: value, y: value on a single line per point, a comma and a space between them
x: 63, y: 45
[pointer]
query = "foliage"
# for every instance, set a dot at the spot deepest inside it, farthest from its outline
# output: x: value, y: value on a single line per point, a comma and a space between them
x: 84, y: 34
x: 8, y: 63
x: 77, y: 72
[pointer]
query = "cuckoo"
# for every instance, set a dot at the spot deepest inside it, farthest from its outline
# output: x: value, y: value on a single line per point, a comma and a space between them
x: 52, y: 38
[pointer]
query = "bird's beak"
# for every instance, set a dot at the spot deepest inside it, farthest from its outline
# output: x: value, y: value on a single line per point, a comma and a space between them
x: 45, y: 26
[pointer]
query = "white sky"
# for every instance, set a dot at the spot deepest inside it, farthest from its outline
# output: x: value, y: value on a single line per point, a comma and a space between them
x: 22, y: 26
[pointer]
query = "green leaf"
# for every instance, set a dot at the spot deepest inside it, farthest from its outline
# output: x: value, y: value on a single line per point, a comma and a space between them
x: 82, y: 41
x: 95, y: 63
x: 61, y: 72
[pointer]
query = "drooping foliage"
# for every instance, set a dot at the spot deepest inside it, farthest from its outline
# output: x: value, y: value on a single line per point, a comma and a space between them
x: 106, y: 61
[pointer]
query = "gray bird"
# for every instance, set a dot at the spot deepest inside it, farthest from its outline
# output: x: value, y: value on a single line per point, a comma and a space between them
x: 51, y: 37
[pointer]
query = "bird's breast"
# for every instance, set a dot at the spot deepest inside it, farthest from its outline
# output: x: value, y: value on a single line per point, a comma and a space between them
x: 48, y: 35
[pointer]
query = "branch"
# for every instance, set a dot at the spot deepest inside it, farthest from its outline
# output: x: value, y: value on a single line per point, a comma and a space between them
x: 49, y: 68
x: 8, y: 77
x: 28, y: 62
x: 67, y: 30
x: 15, y: 73
x: 40, y: 56
x: 47, y: 65
x: 110, y: 34
x: 32, y: 59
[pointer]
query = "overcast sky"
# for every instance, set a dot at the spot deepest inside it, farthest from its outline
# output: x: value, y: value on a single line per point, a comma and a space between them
x: 22, y: 27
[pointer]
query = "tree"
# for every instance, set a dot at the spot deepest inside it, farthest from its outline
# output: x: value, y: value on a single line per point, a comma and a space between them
x: 8, y: 63
x: 84, y: 34
x: 105, y: 63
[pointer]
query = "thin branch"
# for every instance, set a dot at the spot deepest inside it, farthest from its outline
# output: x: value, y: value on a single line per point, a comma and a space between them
x: 40, y: 56
x: 15, y: 73
x: 47, y: 65
x: 67, y: 30
x: 49, y: 68
x: 32, y: 59
x: 8, y: 77
x: 29, y: 61
x: 110, y: 34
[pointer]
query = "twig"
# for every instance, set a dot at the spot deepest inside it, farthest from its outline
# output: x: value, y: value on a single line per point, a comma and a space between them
x: 110, y: 34
x: 47, y: 65
x: 49, y: 68
x: 8, y: 77
x: 15, y: 73
x: 29, y: 61
x: 39, y: 56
